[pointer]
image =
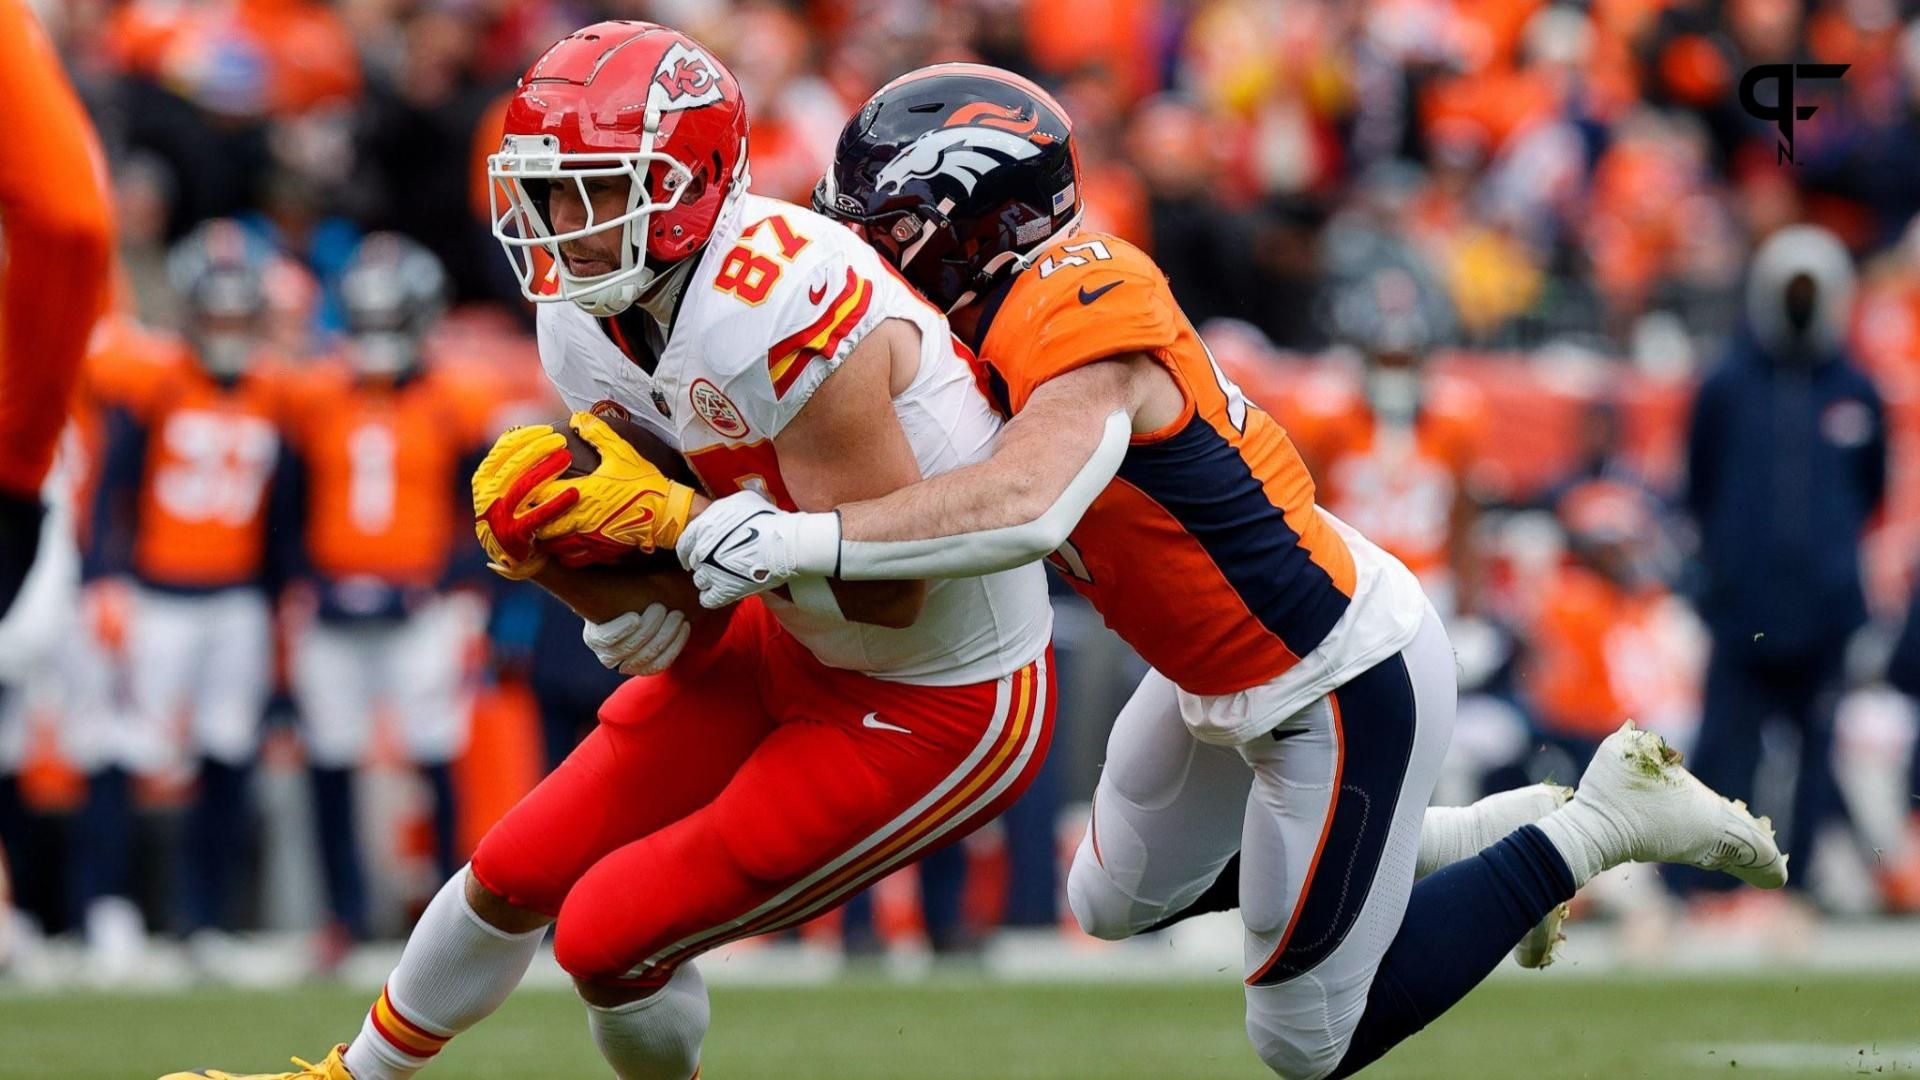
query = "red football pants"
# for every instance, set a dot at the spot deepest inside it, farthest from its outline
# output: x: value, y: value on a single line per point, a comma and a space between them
x: 750, y: 788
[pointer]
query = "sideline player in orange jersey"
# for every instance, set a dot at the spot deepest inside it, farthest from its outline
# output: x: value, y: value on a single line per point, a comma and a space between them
x: 54, y: 212
x: 1393, y: 459
x: 1304, y: 689
x: 381, y: 453
x: 181, y: 508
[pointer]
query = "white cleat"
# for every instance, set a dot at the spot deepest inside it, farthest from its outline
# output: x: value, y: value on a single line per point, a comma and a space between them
x: 1662, y: 813
x: 1542, y: 943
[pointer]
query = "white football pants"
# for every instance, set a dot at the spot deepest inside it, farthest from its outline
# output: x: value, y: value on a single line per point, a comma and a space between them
x: 1325, y: 811
x: 415, y: 666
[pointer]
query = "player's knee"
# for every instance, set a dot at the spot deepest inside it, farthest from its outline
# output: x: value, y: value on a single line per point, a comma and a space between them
x: 1294, y: 1054
x: 1098, y: 905
x: 500, y: 912
x: 597, y: 937
x: 511, y: 880
x: 602, y: 994
x: 582, y: 952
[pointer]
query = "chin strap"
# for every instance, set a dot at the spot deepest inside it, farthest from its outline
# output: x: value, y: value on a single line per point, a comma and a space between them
x: 659, y: 296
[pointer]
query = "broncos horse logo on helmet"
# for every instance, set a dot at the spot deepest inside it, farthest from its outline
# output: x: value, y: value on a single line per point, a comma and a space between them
x: 955, y: 173
x: 963, y: 154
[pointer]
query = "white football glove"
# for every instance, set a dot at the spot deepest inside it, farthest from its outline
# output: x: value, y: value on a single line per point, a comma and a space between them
x: 639, y: 642
x: 738, y: 546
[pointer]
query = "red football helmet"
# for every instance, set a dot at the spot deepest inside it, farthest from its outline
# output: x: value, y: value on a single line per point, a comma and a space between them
x: 629, y: 99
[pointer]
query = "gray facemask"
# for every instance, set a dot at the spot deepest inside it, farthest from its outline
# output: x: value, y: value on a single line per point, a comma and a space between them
x: 225, y: 354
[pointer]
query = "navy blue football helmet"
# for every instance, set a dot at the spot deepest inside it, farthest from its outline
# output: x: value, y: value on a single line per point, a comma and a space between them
x: 955, y: 173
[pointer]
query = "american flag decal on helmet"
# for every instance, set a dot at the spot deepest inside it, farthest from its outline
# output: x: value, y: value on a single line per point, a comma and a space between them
x: 789, y: 356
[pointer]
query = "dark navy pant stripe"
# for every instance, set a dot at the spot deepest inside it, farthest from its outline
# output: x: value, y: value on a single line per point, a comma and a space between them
x: 1376, y: 712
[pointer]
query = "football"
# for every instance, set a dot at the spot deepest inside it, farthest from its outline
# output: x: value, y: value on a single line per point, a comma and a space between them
x: 637, y: 435
x: 604, y: 592
x: 650, y: 445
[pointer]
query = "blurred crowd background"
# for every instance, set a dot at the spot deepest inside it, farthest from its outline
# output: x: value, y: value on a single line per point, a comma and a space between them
x: 1481, y: 257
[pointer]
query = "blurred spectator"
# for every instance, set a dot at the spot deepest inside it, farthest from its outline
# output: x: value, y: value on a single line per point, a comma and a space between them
x: 1608, y: 640
x: 1786, y: 465
x: 414, y: 140
x: 537, y: 638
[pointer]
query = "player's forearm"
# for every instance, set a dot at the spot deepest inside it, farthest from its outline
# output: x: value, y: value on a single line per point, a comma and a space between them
x: 1007, y: 511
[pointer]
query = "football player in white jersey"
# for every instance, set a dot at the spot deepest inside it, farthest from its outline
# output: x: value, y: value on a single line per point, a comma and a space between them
x: 765, y: 774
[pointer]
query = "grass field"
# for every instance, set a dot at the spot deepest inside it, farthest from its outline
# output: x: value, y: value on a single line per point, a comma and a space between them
x: 974, y: 1030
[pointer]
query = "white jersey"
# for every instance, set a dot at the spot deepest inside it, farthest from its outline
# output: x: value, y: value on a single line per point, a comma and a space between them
x: 779, y: 298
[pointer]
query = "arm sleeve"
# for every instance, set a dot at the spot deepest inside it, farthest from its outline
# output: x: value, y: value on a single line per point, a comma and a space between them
x: 53, y: 206
x: 287, y: 513
x: 116, y: 498
x: 467, y: 562
x: 821, y: 551
x: 558, y: 358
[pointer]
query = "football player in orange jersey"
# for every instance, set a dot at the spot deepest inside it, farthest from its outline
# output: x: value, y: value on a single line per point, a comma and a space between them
x: 1393, y: 459
x: 181, y: 509
x: 1304, y: 689
x: 381, y: 452
x: 54, y: 210
x: 100, y: 732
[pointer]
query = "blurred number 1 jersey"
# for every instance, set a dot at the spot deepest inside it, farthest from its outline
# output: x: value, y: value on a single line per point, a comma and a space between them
x: 383, y: 466
x: 1206, y: 552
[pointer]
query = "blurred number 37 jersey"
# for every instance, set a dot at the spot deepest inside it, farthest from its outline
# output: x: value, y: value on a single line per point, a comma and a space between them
x: 1207, y: 552
x: 779, y: 299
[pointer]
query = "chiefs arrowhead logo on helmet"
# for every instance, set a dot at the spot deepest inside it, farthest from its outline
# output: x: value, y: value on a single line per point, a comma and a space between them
x: 685, y: 79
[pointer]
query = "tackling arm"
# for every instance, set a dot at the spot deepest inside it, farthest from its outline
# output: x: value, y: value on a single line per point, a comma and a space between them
x: 1047, y: 467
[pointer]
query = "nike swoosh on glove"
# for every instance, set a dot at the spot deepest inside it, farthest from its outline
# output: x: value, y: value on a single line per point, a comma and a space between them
x: 738, y: 546
x: 639, y: 643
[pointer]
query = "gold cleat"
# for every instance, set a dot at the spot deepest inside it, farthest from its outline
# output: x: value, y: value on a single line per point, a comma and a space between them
x: 334, y: 1067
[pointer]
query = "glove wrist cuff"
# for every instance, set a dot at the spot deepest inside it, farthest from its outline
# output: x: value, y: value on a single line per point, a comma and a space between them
x: 674, y: 515
x: 816, y: 544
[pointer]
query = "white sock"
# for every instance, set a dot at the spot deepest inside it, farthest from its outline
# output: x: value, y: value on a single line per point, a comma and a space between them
x: 1447, y: 835
x: 1451, y: 833
x: 657, y: 1037
x: 455, y: 971
x: 1586, y: 839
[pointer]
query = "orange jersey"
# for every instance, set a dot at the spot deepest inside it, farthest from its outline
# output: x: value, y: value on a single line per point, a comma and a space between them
x: 1397, y: 486
x: 126, y: 364
x: 211, y: 452
x: 383, y: 468
x: 59, y: 239
x: 1601, y: 653
x: 1206, y: 552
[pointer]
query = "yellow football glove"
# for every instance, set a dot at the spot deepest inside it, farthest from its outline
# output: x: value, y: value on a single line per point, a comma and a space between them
x: 506, y: 512
x: 624, y: 505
